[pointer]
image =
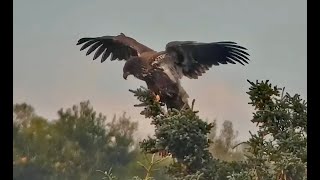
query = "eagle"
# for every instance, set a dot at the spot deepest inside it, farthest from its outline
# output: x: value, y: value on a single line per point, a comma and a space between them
x: 162, y: 70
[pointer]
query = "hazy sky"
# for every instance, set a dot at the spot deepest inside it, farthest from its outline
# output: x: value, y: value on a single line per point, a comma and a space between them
x: 49, y: 71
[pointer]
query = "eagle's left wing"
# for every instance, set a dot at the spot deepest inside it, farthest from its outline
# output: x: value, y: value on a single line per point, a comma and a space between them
x: 119, y: 47
x: 192, y: 59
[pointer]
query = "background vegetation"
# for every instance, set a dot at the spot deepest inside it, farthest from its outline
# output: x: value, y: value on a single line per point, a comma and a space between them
x: 83, y: 144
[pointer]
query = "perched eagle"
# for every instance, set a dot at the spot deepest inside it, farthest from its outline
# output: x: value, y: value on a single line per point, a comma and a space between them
x: 163, y: 70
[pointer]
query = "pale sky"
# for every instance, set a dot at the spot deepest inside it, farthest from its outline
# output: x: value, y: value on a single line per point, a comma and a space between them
x: 49, y: 71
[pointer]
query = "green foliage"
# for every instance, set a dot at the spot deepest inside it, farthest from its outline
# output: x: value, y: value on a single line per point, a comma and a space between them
x: 81, y: 143
x: 279, y: 148
x: 277, y: 151
x: 152, y: 168
x: 184, y: 136
x: 22, y: 113
x: 108, y: 174
x: 74, y: 146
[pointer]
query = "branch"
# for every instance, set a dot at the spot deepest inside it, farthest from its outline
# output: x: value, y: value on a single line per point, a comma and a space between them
x: 245, y: 142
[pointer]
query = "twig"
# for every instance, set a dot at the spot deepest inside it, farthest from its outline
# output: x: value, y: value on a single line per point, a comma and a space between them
x: 151, y: 164
x: 245, y: 142
x: 282, y: 93
x: 192, y: 104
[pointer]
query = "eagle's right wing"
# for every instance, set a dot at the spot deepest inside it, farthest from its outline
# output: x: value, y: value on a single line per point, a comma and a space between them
x: 192, y: 59
x: 119, y: 47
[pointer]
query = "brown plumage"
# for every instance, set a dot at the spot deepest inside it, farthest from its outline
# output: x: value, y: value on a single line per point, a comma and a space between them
x: 163, y: 70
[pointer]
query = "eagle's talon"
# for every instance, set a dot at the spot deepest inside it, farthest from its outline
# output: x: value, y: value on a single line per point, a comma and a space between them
x: 157, y: 98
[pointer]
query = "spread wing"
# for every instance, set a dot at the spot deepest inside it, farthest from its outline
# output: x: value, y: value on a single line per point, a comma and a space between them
x: 120, y: 47
x: 192, y: 59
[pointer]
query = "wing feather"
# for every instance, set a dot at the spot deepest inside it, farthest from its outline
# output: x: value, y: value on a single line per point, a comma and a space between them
x: 89, y: 43
x: 94, y: 47
x: 195, y: 58
x: 100, y: 50
x: 119, y: 47
x: 106, y: 54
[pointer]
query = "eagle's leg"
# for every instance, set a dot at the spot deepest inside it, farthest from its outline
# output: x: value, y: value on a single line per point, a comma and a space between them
x: 157, y: 97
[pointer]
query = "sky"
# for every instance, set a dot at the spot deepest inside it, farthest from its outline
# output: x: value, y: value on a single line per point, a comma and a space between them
x: 49, y: 71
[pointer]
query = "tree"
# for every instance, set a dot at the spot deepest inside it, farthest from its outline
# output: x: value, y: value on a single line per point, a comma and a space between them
x: 30, y: 144
x: 80, y: 142
x: 279, y: 149
x: 222, y: 146
x: 184, y: 136
x: 22, y: 114
x: 74, y: 146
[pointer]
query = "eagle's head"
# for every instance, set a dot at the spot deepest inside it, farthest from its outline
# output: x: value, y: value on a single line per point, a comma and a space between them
x: 133, y: 66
